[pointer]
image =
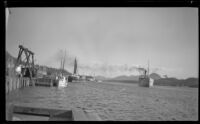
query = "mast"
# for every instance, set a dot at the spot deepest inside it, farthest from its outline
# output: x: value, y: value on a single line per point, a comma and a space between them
x: 63, y: 66
x: 148, y: 68
x: 75, y: 66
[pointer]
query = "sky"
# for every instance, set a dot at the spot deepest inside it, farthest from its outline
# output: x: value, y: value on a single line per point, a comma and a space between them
x: 109, y: 41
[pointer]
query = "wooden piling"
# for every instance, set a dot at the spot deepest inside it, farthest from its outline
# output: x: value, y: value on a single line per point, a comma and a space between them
x: 51, y: 84
x: 6, y: 85
x: 10, y: 84
x: 18, y: 79
x: 20, y: 82
x: 28, y: 83
x: 14, y: 83
x: 25, y: 82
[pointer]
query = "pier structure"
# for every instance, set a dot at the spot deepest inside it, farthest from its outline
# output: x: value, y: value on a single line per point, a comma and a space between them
x: 14, y: 81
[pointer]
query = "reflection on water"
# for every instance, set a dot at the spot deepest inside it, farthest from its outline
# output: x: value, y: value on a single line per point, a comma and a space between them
x: 115, y: 101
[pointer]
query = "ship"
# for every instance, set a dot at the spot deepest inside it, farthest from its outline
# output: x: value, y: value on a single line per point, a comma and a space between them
x: 144, y: 78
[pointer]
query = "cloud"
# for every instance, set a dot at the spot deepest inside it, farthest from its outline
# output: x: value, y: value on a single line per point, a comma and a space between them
x: 167, y: 71
x: 107, y: 69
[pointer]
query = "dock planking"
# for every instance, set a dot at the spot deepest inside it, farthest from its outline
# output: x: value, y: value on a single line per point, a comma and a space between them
x: 26, y: 113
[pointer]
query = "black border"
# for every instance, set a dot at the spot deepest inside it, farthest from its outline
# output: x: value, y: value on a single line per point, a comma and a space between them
x: 102, y: 3
x: 81, y: 3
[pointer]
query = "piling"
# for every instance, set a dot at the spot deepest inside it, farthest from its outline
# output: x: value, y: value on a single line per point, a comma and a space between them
x: 17, y: 85
x: 51, y: 84
x: 28, y: 82
x: 33, y: 81
x: 20, y: 82
x: 13, y: 83
x: 10, y: 84
x: 7, y: 85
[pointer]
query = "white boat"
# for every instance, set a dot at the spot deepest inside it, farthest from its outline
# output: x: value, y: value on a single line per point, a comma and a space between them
x: 62, y: 82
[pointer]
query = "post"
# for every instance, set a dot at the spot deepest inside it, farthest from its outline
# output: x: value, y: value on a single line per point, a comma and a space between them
x: 10, y: 84
x: 17, y: 83
x: 28, y: 83
x: 51, y: 83
x: 23, y: 82
x: 33, y: 82
x: 14, y: 83
x: 6, y: 84
x: 20, y: 82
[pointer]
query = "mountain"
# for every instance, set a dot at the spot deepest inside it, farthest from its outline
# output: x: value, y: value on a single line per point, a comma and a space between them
x: 121, y: 77
x: 155, y: 76
x: 190, y: 82
x: 100, y: 77
x: 124, y: 77
x: 135, y: 77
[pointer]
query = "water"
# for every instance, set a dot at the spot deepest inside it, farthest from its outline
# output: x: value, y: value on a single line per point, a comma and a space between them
x: 115, y: 101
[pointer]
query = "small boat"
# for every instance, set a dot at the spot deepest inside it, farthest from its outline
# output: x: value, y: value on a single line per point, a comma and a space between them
x: 62, y: 82
x: 26, y: 113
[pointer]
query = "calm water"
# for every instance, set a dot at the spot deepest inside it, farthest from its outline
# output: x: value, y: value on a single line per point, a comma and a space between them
x: 115, y: 101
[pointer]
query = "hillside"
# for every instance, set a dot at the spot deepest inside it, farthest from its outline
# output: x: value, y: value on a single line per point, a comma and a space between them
x: 190, y: 82
x: 135, y: 77
x: 124, y: 77
x: 100, y: 77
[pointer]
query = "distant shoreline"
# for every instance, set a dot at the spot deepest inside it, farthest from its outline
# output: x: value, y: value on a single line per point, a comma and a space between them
x: 162, y: 82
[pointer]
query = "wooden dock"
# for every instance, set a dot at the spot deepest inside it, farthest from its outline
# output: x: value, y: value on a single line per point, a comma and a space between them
x: 26, y: 113
x: 13, y: 83
x: 45, y: 82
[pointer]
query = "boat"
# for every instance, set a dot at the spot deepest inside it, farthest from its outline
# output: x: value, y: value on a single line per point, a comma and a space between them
x: 16, y: 112
x: 74, y: 77
x: 62, y: 82
x: 145, y: 80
